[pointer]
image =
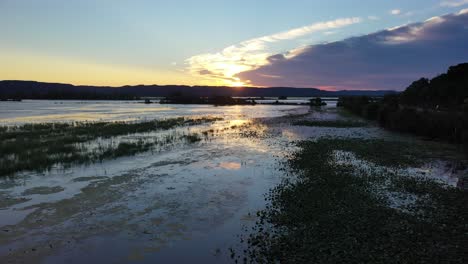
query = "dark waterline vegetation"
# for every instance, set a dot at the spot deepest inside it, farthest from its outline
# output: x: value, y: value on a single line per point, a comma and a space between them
x: 330, y: 123
x: 436, y: 109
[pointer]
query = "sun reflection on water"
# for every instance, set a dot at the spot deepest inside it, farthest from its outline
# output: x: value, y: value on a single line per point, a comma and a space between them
x: 230, y: 165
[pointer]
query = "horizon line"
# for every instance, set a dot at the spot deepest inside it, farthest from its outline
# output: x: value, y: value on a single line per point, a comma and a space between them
x: 193, y: 86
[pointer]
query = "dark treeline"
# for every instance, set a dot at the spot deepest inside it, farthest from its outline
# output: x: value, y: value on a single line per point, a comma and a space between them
x: 215, y: 100
x: 228, y: 100
x: 40, y: 90
x: 435, y: 109
x: 448, y: 90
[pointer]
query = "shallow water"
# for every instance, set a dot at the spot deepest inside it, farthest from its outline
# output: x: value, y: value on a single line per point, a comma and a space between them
x: 37, y: 111
x: 181, y: 203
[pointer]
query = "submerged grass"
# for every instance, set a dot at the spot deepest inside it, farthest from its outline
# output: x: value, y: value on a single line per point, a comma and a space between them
x: 193, y: 137
x: 382, y: 152
x: 332, y: 213
x: 331, y: 123
x: 41, y: 146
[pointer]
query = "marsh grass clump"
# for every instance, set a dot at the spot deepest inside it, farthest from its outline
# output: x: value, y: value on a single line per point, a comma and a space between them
x: 381, y: 152
x: 331, y: 123
x: 38, y: 147
x: 332, y: 214
x: 125, y: 149
x: 192, y: 138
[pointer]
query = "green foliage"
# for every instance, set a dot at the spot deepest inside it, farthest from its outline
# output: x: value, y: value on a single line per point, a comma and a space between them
x: 331, y: 213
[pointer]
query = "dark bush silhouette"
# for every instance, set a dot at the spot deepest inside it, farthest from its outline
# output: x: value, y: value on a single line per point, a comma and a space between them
x: 434, y: 109
x: 446, y: 91
x: 317, y: 102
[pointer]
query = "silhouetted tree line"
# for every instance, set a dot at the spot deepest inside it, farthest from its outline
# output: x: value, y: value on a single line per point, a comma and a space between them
x: 436, y: 109
x: 446, y: 91
x: 179, y: 98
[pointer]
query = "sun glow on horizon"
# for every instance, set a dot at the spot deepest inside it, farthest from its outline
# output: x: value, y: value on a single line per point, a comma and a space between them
x: 43, y: 68
x: 225, y: 66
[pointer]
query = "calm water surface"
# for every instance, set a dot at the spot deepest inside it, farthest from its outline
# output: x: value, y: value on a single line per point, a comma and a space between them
x: 186, y: 203
x: 34, y: 111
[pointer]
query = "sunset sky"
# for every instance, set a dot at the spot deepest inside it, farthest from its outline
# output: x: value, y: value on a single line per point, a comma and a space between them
x: 332, y: 44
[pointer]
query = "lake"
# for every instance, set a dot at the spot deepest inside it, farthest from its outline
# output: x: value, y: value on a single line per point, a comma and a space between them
x: 36, y: 111
x: 183, y: 203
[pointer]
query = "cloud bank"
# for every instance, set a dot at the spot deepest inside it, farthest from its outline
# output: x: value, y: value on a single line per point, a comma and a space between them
x: 389, y: 59
x: 223, y: 66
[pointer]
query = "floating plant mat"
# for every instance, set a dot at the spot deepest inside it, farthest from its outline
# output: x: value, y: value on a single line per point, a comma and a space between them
x: 352, y: 200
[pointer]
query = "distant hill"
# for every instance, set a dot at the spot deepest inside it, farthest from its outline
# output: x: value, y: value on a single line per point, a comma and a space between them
x: 41, y: 90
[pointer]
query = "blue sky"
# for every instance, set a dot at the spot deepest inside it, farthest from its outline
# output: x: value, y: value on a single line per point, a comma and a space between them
x: 117, y: 42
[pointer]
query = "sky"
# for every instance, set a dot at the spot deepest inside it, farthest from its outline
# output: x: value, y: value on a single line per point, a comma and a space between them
x: 335, y: 45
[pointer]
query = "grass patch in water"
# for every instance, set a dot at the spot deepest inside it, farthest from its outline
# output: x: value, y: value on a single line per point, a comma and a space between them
x: 43, y: 190
x: 330, y: 123
x: 125, y: 149
x: 41, y: 146
x: 193, y: 137
x: 332, y: 214
x: 379, y: 151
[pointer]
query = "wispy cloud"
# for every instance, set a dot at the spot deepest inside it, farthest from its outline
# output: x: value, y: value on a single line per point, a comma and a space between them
x: 395, y: 12
x: 454, y: 3
x: 222, y: 67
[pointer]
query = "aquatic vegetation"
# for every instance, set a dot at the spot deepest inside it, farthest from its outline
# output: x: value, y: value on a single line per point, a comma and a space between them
x: 330, y: 123
x: 388, y: 153
x: 125, y: 149
x: 41, y: 146
x: 6, y: 201
x: 336, y: 212
x: 43, y: 190
x: 192, y: 138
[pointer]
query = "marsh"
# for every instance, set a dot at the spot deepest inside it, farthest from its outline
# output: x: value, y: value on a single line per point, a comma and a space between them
x: 192, y: 179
